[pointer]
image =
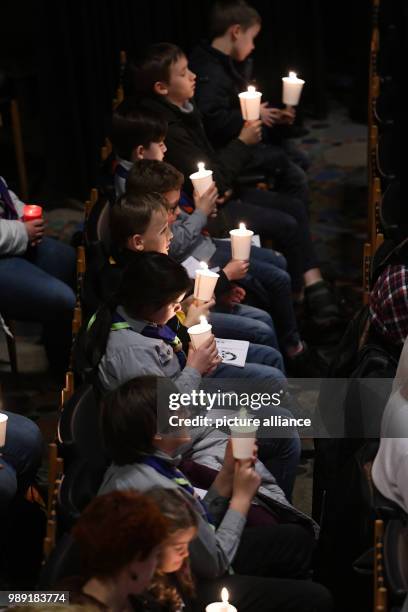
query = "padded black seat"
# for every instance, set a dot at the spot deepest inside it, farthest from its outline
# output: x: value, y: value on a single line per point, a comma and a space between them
x: 79, y: 428
x: 62, y: 563
x: 79, y: 486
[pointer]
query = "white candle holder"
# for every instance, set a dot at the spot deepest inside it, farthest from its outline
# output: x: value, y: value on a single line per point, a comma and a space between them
x: 3, y: 428
x: 250, y: 104
x: 292, y: 89
x: 241, y: 240
x: 200, y: 333
x: 202, y: 180
x: 205, y: 282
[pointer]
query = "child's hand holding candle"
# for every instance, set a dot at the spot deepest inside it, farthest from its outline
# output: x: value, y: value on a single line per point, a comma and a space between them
x: 241, y: 242
x: 223, y: 605
x: 34, y: 223
x: 32, y: 212
x: 250, y: 103
x: 205, y: 282
x: 292, y: 89
x: 202, y: 179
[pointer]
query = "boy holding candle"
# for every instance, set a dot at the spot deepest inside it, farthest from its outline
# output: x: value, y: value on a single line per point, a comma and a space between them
x: 39, y: 274
x: 223, y: 71
x: 165, y: 83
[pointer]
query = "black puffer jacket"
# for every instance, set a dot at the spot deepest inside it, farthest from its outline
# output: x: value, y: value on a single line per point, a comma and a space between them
x: 187, y: 144
x: 219, y: 81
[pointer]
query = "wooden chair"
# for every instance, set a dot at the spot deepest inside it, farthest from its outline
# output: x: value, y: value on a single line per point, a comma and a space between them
x: 120, y: 94
x: 380, y: 591
x: 11, y: 344
x: 367, y: 258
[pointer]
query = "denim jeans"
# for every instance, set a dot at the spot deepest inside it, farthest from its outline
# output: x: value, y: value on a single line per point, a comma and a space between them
x: 245, y: 323
x: 39, y: 287
x: 277, y: 284
x: 20, y: 457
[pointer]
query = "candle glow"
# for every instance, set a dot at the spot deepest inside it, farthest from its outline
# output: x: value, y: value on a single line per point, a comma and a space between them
x: 203, y: 320
x: 224, y: 595
x: 201, y: 166
x: 242, y: 226
x: 251, y: 89
x: 292, y: 75
x: 203, y: 265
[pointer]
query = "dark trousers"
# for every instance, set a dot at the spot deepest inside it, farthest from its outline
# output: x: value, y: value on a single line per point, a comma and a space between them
x: 252, y: 593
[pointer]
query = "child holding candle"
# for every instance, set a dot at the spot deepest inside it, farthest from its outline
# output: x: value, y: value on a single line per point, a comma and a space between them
x: 266, y: 269
x: 165, y: 83
x: 39, y: 274
x: 147, y: 462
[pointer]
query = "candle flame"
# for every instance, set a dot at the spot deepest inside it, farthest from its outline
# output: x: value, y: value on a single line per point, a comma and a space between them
x: 251, y: 89
x: 224, y: 595
x: 203, y: 265
x: 242, y: 226
x: 292, y: 75
x: 203, y: 320
x: 201, y: 166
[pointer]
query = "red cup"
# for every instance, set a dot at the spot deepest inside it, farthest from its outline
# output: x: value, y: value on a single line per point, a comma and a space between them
x: 31, y: 212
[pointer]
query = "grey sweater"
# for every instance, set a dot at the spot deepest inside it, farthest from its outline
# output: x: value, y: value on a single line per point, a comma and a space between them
x: 213, y: 550
x: 188, y: 240
x: 13, y: 234
x: 129, y: 354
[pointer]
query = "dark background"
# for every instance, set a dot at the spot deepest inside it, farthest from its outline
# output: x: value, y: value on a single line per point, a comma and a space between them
x: 63, y: 56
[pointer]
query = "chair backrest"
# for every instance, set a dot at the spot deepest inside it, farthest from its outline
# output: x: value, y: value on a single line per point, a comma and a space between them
x: 97, y: 228
x: 396, y: 558
x: 79, y: 428
x: 62, y: 562
x: 79, y: 486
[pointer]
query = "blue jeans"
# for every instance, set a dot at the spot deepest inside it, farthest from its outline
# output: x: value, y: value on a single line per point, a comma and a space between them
x: 245, y: 323
x: 20, y: 458
x: 40, y: 288
x: 277, y: 283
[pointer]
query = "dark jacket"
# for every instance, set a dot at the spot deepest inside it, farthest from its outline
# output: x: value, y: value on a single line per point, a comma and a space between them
x: 219, y: 81
x: 187, y: 144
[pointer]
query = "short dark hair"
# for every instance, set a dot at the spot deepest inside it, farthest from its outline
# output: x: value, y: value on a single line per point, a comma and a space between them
x: 226, y: 13
x: 149, y: 175
x: 131, y: 215
x: 129, y: 419
x: 154, y: 65
x: 116, y: 528
x: 150, y: 281
x: 133, y: 126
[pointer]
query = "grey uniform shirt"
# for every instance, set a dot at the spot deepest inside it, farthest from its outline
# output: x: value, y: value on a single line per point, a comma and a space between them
x: 13, y: 234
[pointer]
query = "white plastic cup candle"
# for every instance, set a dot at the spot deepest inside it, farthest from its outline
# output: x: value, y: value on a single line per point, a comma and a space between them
x: 250, y: 104
x: 205, y: 282
x: 292, y: 88
x: 241, y: 242
x: 243, y: 437
x: 223, y: 605
x: 200, y: 333
x: 202, y: 179
x: 3, y: 427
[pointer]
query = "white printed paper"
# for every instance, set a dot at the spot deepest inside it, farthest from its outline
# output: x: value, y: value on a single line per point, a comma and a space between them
x: 233, y: 352
x: 191, y: 264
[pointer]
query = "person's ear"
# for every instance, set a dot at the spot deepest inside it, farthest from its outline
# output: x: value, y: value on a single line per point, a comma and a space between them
x: 160, y: 88
x: 135, y: 243
x: 235, y: 31
x: 138, y: 153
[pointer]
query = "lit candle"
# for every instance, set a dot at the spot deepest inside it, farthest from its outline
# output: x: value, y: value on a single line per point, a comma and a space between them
x: 3, y: 427
x: 241, y: 242
x: 32, y: 212
x: 205, y: 282
x: 200, y: 333
x: 202, y: 179
x: 292, y: 88
x: 250, y: 103
x: 223, y: 605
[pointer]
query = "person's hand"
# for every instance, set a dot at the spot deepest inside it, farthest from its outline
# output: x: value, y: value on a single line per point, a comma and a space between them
x: 227, y: 196
x: 251, y: 133
x: 197, y: 309
x: 236, y: 269
x: 207, y: 202
x: 237, y: 294
x: 269, y: 116
x: 35, y: 231
x: 204, y: 359
x: 245, y: 485
x: 288, y: 116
